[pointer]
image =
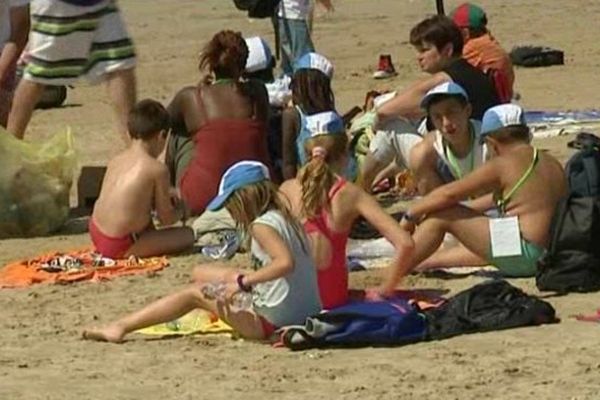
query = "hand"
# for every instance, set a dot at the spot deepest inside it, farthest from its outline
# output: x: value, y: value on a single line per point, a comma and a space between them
x: 407, y: 225
x: 231, y: 289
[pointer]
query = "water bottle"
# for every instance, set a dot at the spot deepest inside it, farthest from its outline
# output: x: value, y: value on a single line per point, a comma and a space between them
x: 242, y: 300
x: 216, y: 291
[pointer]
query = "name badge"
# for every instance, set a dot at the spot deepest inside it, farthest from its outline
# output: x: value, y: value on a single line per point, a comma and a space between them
x: 505, y: 237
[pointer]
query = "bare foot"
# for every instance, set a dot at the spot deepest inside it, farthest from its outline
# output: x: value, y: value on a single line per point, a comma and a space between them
x: 111, y: 333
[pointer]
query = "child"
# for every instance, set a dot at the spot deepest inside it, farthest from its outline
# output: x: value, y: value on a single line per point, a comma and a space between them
x: 329, y: 205
x: 135, y: 184
x: 526, y: 185
x: 284, y: 285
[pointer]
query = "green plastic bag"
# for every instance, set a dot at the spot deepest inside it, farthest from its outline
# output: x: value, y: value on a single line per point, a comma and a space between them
x: 35, y: 181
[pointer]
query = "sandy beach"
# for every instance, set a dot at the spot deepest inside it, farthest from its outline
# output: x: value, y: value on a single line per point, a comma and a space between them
x: 42, y: 356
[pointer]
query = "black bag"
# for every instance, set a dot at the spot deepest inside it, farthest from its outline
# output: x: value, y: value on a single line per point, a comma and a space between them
x: 257, y: 8
x: 536, y: 56
x: 488, y: 306
x: 583, y: 168
x: 572, y: 262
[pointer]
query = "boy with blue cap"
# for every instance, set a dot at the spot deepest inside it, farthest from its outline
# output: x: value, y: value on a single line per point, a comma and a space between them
x: 524, y: 185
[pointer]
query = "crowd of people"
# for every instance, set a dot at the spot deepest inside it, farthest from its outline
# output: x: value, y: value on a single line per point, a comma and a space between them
x: 276, y: 154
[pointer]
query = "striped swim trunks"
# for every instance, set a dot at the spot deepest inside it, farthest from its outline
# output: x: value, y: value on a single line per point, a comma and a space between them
x: 70, y: 41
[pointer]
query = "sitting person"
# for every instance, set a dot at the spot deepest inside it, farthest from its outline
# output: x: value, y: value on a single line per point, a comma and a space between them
x: 480, y: 48
x: 283, y: 283
x: 525, y: 186
x: 311, y: 95
x: 328, y: 205
x: 217, y: 123
x: 135, y: 185
x: 439, y: 46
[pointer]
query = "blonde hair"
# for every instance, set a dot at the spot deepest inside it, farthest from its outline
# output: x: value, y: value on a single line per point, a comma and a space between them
x: 317, y: 177
x: 251, y: 201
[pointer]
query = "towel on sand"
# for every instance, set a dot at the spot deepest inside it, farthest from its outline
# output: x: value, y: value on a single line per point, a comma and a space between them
x: 74, y: 266
x: 194, y: 322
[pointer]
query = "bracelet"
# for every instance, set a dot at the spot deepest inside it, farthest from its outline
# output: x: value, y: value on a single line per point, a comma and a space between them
x: 410, y: 218
x: 240, y: 282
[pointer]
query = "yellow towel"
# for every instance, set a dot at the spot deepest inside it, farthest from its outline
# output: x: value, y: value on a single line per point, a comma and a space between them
x: 197, y: 321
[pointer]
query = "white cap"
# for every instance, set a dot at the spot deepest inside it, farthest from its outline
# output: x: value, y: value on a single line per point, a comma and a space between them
x: 448, y: 88
x: 259, y: 54
x: 324, y: 123
x: 500, y: 117
x: 315, y: 61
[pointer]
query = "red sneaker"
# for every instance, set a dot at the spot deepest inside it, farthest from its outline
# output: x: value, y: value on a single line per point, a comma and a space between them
x: 385, y: 68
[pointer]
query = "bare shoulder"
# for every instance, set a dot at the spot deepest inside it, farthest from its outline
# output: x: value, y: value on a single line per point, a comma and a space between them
x: 156, y: 168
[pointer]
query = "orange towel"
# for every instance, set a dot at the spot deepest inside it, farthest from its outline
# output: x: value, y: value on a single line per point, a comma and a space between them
x: 29, y: 272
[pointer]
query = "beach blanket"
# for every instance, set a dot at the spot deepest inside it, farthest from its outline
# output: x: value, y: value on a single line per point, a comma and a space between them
x: 194, y: 322
x: 74, y: 266
x: 545, y: 124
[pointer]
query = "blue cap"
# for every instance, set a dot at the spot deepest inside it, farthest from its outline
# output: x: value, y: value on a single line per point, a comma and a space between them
x: 324, y: 123
x: 446, y: 89
x: 237, y: 176
x: 501, y: 116
x: 315, y: 61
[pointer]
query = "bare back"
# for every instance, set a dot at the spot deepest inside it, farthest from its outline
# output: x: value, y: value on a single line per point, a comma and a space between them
x: 128, y: 192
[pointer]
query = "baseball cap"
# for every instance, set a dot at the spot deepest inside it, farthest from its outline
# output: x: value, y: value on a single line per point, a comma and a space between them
x: 237, y: 176
x: 259, y: 54
x: 444, y: 89
x: 324, y: 123
x: 468, y: 15
x: 501, y: 116
x: 315, y: 61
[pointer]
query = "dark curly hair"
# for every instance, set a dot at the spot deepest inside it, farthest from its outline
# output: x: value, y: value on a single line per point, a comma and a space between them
x: 225, y: 55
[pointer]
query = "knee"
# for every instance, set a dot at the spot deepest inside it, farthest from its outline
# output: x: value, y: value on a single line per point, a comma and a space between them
x: 438, y: 220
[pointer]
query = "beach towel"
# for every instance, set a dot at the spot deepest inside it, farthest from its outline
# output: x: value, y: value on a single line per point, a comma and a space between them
x: 74, y: 266
x: 194, y: 322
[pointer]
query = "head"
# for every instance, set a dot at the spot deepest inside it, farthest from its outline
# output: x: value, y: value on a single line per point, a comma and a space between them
x: 470, y: 19
x: 225, y: 55
x: 149, y: 122
x: 260, y: 63
x: 449, y: 110
x: 311, y: 84
x: 247, y: 192
x: 327, y: 154
x: 503, y: 126
x: 437, y: 41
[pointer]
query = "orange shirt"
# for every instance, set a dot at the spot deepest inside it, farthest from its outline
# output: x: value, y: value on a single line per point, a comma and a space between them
x: 485, y: 52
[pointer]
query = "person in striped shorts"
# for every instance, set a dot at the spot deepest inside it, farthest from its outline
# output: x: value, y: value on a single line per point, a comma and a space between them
x: 72, y: 39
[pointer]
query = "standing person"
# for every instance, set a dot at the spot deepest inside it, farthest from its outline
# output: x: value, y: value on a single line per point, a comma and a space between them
x: 14, y: 30
x: 328, y: 205
x: 71, y: 39
x: 283, y: 283
x: 525, y: 186
x: 480, y: 48
x: 217, y: 123
x: 439, y: 46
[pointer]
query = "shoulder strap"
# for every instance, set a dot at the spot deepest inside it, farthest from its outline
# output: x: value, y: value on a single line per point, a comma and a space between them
x: 337, y: 186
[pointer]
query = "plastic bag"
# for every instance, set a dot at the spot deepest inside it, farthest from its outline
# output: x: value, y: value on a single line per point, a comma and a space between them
x: 35, y: 181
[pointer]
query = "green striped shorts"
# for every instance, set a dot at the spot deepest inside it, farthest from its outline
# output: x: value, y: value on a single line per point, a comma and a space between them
x: 68, y: 42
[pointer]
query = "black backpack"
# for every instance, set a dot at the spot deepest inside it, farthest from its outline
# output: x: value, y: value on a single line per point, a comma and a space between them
x: 572, y: 261
x: 536, y: 56
x: 258, y: 8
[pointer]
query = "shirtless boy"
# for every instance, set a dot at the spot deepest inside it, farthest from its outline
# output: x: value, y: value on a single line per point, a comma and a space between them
x: 135, y: 184
x: 526, y: 185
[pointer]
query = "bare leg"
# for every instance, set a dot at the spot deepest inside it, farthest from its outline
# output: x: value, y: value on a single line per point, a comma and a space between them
x: 458, y: 256
x: 160, y: 242
x: 121, y: 87
x: 27, y: 95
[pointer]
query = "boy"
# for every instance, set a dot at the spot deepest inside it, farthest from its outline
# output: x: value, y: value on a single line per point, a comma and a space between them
x: 526, y: 185
x: 135, y: 184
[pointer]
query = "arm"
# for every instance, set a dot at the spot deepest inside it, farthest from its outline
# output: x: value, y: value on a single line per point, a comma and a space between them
x: 167, y: 213
x: 289, y: 130
x: 408, y: 103
x: 422, y: 160
x: 19, y: 32
x: 482, y: 203
x: 282, y: 262
x: 184, y: 111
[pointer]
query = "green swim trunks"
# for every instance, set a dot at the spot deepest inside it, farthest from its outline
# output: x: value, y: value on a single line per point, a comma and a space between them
x: 521, y: 266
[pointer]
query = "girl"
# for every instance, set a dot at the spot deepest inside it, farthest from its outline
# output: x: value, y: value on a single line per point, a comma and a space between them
x: 283, y: 285
x: 207, y: 118
x: 328, y: 205
x: 311, y: 95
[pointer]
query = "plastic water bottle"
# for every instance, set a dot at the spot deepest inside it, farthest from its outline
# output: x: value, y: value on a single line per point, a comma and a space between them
x: 242, y: 300
x: 216, y: 291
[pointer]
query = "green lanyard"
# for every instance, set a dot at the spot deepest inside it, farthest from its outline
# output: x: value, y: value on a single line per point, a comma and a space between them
x: 454, y: 165
x: 223, y: 81
x: 501, y: 202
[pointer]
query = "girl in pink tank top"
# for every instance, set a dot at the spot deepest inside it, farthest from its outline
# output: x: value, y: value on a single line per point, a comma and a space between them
x: 328, y: 205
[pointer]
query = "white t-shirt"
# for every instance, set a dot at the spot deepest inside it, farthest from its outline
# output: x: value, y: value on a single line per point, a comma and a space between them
x: 5, y: 6
x: 394, y: 141
x: 293, y: 9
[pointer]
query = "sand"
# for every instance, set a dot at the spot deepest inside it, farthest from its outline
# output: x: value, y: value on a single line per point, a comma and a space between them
x: 42, y: 357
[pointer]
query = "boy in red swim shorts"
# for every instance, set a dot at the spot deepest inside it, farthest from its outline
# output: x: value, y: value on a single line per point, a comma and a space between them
x: 135, y: 185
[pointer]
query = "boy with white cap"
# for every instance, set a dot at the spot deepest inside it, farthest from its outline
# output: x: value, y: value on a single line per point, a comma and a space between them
x: 525, y: 184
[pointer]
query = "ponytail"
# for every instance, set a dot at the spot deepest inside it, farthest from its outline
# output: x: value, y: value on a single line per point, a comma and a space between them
x: 316, y: 179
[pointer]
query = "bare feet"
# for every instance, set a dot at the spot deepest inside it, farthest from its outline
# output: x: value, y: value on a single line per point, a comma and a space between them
x: 111, y: 333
